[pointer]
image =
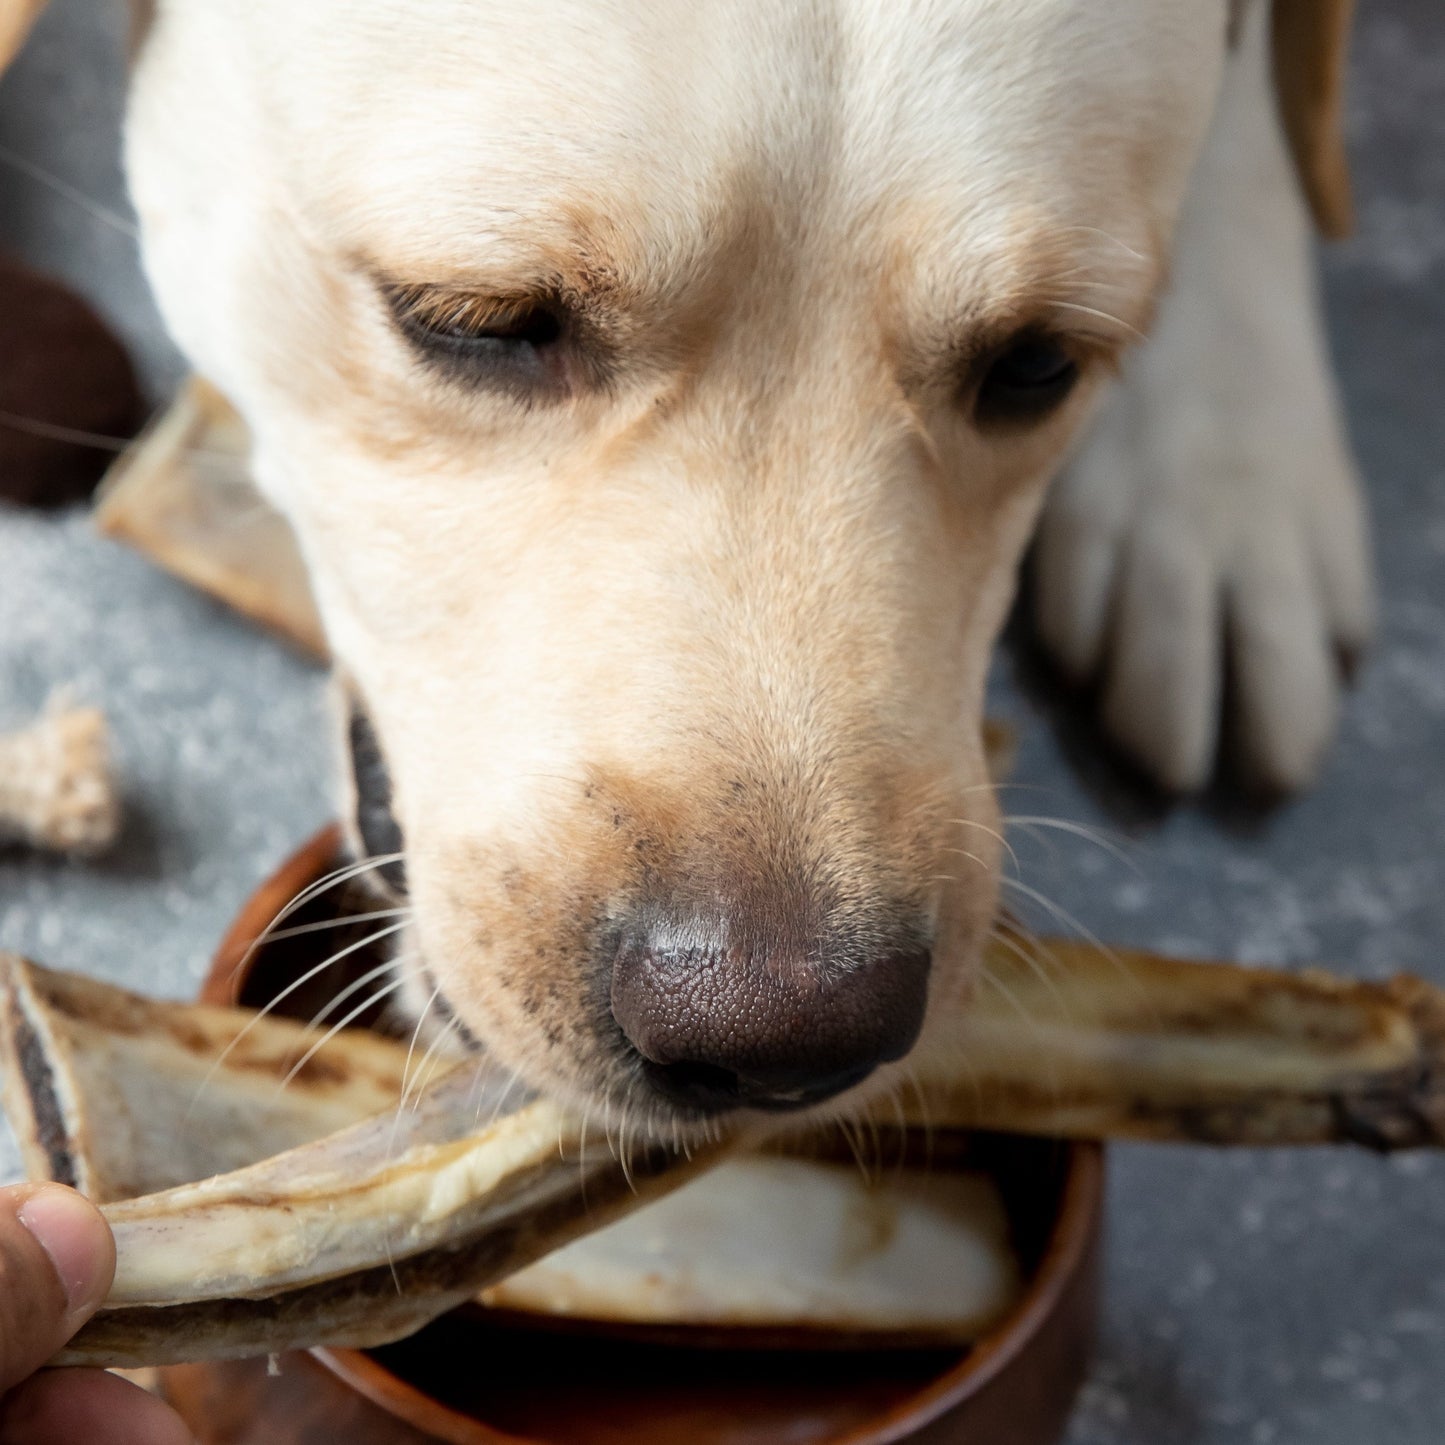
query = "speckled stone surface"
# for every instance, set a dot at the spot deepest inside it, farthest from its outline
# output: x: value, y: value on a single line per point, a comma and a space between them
x: 1253, y: 1299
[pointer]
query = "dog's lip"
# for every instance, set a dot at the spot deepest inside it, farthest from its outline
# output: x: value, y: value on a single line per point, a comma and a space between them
x: 714, y: 1095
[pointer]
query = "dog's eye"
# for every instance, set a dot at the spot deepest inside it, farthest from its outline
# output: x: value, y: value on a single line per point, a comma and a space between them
x: 512, y: 340
x: 1026, y: 380
x: 533, y: 326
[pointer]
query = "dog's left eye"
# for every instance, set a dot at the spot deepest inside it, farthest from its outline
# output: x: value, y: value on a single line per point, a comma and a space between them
x: 506, y: 340
x: 494, y: 330
x: 1026, y: 380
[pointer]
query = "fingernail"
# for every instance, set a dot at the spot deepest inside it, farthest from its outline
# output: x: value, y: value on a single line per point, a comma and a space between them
x: 68, y: 1228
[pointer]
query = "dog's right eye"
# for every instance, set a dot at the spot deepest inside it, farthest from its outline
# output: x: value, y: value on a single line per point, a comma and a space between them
x: 479, y: 337
x: 1025, y: 380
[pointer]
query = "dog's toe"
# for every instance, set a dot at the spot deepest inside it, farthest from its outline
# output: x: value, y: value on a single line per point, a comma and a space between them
x: 1074, y: 566
x: 1285, y: 668
x: 1339, y: 537
x: 1161, y: 679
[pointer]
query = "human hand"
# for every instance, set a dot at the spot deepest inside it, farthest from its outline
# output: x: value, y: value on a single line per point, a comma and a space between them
x: 56, y: 1262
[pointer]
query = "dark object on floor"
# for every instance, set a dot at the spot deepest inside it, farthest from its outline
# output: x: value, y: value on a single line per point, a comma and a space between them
x: 62, y: 372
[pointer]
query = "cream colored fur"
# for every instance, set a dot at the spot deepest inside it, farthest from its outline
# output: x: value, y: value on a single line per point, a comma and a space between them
x: 728, y: 617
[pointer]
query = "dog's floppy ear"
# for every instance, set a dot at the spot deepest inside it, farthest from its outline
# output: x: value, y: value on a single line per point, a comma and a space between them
x: 1310, y: 47
x: 16, y: 18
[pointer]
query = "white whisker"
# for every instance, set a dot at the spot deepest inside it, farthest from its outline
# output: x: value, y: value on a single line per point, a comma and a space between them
x: 426, y: 1008
x: 424, y: 1069
x: 582, y: 1153
x: 401, y: 1104
x: 436, y: 1058
x: 320, y: 927
x: 1034, y: 964
x: 993, y: 833
x: 271, y: 1003
x: 336, y: 1028
x: 501, y: 1104
x: 327, y: 881
x: 1126, y: 326
x: 910, y: 1078
x: 986, y: 975
x: 972, y: 858
x: 1107, y: 236
x: 1095, y: 836
x: 68, y: 192
x: 355, y: 986
x: 854, y: 1147
x: 1067, y: 919
x: 101, y: 442
x: 1033, y: 1024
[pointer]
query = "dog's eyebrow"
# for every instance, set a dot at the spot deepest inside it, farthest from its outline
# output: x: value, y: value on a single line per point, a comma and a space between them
x: 969, y: 340
x: 1073, y: 282
x: 576, y: 262
x: 574, y: 289
x: 625, y: 274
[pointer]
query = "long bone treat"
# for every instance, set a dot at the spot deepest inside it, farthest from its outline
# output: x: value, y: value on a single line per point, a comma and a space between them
x: 363, y: 1235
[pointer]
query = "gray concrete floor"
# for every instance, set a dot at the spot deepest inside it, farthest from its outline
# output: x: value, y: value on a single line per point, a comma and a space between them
x: 1252, y: 1297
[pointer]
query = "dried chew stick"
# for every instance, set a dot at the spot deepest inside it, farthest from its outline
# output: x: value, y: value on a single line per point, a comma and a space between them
x: 366, y: 1235
x: 361, y: 1237
x: 121, y: 1095
x: 1074, y: 1041
x: 1066, y: 1040
x: 356, y: 1237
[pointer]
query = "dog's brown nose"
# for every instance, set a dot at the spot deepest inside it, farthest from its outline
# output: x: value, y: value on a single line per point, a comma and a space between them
x: 724, y: 1027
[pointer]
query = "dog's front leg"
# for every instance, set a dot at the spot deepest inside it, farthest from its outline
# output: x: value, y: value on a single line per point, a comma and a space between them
x: 1213, y: 523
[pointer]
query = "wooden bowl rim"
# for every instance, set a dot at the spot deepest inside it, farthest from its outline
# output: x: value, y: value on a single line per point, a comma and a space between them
x: 1075, y: 1227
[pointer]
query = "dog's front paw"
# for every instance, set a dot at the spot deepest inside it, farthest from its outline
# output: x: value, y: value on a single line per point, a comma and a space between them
x: 1187, y: 546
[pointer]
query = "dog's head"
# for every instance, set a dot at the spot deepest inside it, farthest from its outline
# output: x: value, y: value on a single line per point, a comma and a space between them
x: 663, y: 395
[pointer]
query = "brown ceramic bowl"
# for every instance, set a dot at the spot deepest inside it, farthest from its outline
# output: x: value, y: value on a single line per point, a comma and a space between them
x: 481, y: 1379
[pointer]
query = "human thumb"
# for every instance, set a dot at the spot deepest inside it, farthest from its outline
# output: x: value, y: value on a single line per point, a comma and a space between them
x: 57, y: 1258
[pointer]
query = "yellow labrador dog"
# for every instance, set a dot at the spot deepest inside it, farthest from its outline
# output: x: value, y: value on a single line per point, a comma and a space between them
x: 664, y: 392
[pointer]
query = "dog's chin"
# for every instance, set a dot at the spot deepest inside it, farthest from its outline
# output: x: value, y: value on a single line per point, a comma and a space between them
x: 645, y: 1115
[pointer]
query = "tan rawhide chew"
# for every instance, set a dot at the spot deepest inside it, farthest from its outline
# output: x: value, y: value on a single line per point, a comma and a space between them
x: 358, y: 1237
x: 907, y: 1260
x: 361, y: 1237
x: 56, y: 788
x: 1071, y: 1040
x: 182, y: 495
x: 366, y: 1234
x: 121, y: 1095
